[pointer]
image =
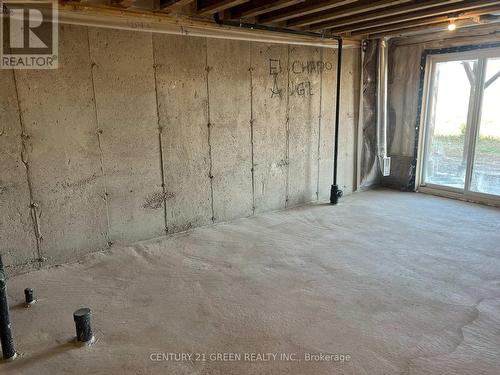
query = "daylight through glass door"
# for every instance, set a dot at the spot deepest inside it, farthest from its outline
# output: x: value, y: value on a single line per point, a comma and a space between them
x: 462, y: 125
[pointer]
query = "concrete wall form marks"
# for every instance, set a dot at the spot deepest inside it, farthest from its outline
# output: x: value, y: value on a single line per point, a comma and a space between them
x: 62, y: 152
x: 139, y: 134
x: 17, y: 232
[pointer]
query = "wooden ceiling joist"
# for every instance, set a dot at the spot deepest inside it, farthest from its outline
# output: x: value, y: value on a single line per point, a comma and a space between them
x: 434, y: 27
x: 302, y: 10
x: 258, y: 7
x: 423, y: 22
x: 403, y: 13
x: 466, y: 29
x: 402, y: 25
x: 428, y: 5
x: 439, y: 32
x: 171, y: 3
x: 347, y: 10
x: 164, y: 5
x: 215, y: 6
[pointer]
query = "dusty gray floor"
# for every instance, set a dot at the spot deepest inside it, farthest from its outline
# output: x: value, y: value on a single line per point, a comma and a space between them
x: 403, y: 283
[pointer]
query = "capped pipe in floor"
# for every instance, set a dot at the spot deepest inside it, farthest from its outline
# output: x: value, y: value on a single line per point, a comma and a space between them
x: 29, y: 297
x: 83, y: 324
x: 8, y: 350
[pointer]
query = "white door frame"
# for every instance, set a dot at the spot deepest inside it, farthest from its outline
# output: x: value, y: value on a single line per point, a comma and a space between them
x: 473, y: 125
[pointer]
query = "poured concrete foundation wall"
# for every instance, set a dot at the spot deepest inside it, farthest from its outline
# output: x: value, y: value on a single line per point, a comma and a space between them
x: 137, y: 135
x: 404, y: 83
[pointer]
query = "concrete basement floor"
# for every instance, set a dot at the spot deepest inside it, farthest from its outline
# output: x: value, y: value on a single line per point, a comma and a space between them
x: 403, y: 283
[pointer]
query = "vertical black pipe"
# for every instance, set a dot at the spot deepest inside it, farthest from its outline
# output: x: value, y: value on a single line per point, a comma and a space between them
x: 82, y: 318
x: 29, y: 296
x: 335, y: 192
x: 8, y: 350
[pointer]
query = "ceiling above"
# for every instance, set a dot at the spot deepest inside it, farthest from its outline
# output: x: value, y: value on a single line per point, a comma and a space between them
x: 349, y: 18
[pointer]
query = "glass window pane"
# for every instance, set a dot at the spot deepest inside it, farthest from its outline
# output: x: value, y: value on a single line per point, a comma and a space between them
x: 446, y: 154
x: 486, y: 169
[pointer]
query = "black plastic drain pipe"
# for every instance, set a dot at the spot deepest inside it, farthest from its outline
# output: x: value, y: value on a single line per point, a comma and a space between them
x: 8, y: 350
x: 254, y: 26
x: 29, y: 297
x: 82, y: 318
x: 335, y: 192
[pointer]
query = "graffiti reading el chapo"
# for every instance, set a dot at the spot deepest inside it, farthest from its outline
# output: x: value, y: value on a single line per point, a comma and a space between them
x: 301, y: 88
x: 310, y: 67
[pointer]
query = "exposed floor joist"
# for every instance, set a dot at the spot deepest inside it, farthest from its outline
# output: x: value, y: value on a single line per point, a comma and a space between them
x: 214, y: 6
x: 385, y: 18
x: 255, y: 8
x: 347, y: 10
x: 423, y: 22
x: 302, y: 10
x: 380, y: 15
x: 462, y: 35
x: 172, y: 3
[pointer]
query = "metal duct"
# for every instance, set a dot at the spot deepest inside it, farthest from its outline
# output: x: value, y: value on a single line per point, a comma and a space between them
x: 385, y: 161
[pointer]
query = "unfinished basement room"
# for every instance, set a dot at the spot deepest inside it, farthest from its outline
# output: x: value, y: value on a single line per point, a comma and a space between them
x: 242, y: 187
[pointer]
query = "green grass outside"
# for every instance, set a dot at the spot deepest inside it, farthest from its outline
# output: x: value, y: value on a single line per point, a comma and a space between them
x: 453, y: 145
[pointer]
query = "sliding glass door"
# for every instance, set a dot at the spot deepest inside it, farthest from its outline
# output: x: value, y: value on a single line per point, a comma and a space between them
x: 486, y: 166
x: 461, y: 139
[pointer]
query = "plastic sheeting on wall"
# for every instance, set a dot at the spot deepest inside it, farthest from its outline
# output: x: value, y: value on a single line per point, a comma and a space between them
x: 369, y: 170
